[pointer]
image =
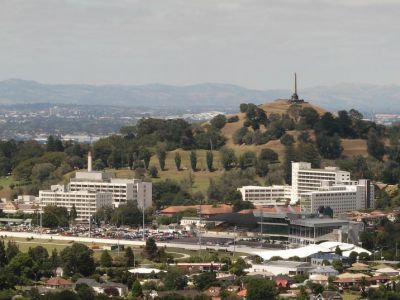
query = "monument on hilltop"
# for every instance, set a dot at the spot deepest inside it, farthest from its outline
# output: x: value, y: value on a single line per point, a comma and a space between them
x: 295, y: 98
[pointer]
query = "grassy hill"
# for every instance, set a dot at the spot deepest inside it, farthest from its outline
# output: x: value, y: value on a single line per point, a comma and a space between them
x: 351, y: 147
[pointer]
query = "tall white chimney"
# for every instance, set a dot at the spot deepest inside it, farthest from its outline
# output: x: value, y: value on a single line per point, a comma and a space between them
x: 89, y: 162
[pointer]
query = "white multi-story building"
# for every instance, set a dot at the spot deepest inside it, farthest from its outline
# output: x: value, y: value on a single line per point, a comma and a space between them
x: 266, y: 195
x: 305, y: 179
x: 122, y: 190
x: 86, y: 202
x: 340, y: 198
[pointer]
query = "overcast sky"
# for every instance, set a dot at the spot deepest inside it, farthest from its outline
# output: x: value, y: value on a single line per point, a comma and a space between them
x: 253, y: 43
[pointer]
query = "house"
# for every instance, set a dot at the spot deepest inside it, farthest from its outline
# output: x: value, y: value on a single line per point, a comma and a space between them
x: 213, y: 291
x: 242, y: 294
x: 200, y: 266
x: 387, y: 271
x: 327, y: 295
x: 58, y: 283
x: 318, y: 259
x: 233, y: 288
x: 283, y: 267
x: 320, y: 279
x: 108, y: 287
x: 324, y: 270
x: 282, y: 282
x: 225, y: 277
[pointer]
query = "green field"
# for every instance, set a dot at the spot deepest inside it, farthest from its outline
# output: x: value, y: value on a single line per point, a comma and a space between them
x: 201, y: 177
x: 5, y: 182
x: 353, y: 296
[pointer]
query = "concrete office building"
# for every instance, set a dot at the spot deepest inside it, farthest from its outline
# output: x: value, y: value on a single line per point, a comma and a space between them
x: 305, y: 179
x: 340, y: 198
x: 122, y: 190
x: 266, y: 195
x: 86, y: 202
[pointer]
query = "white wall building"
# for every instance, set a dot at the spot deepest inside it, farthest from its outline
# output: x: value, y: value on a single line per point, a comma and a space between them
x: 266, y: 195
x: 123, y: 190
x: 86, y: 202
x: 305, y: 179
x: 341, y: 198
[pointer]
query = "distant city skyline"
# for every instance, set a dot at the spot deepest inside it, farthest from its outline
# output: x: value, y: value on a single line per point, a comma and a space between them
x: 255, y: 44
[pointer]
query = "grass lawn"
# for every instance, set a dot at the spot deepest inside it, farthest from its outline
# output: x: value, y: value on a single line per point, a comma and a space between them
x: 5, y: 182
x: 201, y: 177
x: 352, y: 296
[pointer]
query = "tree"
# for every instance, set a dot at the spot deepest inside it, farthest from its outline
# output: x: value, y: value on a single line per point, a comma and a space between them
x: 247, y: 159
x: 77, y: 258
x: 337, y: 265
x: 85, y: 292
x: 375, y: 145
x: 204, y: 280
x: 73, y: 213
x: 353, y: 256
x: 193, y: 160
x: 42, y: 172
x: 290, y: 156
x: 268, y: 155
x: 178, y: 161
x: 129, y: 257
x: 55, y: 216
x: 287, y: 139
x: 329, y: 146
x: 363, y: 256
x: 309, y: 116
x: 161, y: 155
x: 218, y: 121
x: 137, y: 289
x: 151, y: 249
x: 106, y: 259
x: 3, y: 256
x: 145, y: 154
x: 12, y: 250
x: 238, y: 267
x: 307, y: 152
x: 261, y: 289
x: 153, y: 171
x: 210, y: 158
x: 243, y: 107
x: 21, y: 265
x: 175, y: 279
x: 228, y: 158
x: 127, y: 214
x: 338, y: 251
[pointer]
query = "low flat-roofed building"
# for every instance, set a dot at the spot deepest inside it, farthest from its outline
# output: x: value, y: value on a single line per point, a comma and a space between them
x: 266, y: 195
x: 318, y: 259
x: 284, y: 267
x: 324, y: 270
x: 306, y: 231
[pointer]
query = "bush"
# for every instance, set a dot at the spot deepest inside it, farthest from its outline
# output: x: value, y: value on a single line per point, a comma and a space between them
x: 233, y: 119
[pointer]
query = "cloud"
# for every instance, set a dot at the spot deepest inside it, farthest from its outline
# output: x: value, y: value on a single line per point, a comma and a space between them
x: 253, y: 43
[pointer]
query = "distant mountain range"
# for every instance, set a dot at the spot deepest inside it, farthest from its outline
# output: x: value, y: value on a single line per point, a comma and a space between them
x: 364, y: 97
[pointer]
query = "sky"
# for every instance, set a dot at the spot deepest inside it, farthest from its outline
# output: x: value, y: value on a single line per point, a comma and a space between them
x: 253, y: 43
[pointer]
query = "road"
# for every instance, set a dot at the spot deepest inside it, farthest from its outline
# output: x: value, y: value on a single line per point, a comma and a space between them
x: 189, y: 246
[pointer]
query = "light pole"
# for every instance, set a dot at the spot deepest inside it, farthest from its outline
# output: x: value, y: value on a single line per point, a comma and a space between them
x: 143, y: 219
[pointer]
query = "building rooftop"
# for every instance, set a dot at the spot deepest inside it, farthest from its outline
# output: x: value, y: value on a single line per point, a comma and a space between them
x: 206, y: 209
x: 319, y: 222
x: 287, y: 263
